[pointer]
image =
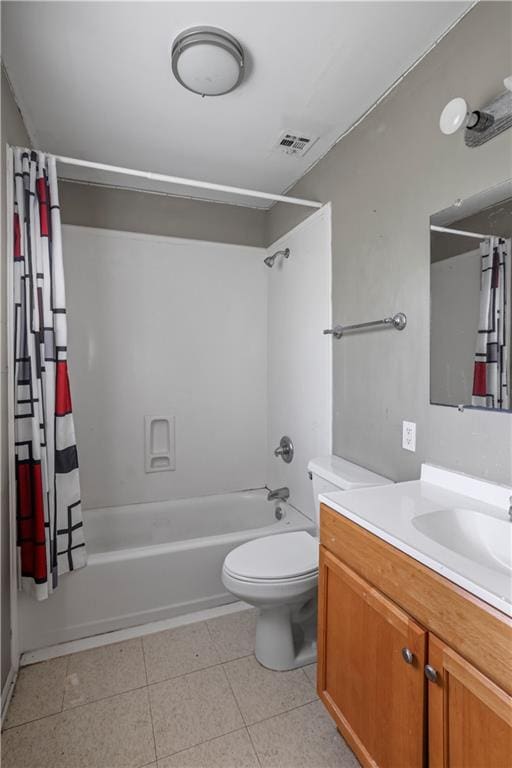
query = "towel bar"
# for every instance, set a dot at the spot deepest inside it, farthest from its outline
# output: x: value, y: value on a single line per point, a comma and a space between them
x: 398, y: 321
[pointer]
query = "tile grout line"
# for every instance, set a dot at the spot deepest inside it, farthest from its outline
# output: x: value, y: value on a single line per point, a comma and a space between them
x: 128, y: 690
x: 136, y: 688
x: 212, y: 641
x: 198, y: 669
x: 186, y: 674
x: 285, y: 712
x: 241, y: 713
x: 193, y: 671
x: 63, y: 709
x: 65, y: 686
x: 157, y: 682
x: 6, y: 727
x: 253, y: 746
x: 301, y: 706
x: 247, y: 725
x: 222, y: 664
x: 201, y: 743
x: 149, y: 699
x: 77, y: 706
x: 148, y: 686
x: 308, y: 679
x: 310, y: 701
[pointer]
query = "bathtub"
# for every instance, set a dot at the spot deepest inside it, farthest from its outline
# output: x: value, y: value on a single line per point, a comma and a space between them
x: 149, y: 562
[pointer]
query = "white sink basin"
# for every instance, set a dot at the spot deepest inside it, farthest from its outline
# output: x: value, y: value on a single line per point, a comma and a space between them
x: 455, y: 524
x: 483, y: 539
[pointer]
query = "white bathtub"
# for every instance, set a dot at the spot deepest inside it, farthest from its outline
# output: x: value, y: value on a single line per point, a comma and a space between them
x: 149, y: 562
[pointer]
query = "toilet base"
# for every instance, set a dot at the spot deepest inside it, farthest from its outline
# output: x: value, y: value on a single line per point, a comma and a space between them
x: 284, y: 639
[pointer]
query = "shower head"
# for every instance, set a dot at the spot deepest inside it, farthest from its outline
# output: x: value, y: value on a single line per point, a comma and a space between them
x: 269, y: 261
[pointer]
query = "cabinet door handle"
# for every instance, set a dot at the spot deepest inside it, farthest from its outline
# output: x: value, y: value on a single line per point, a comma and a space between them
x: 407, y: 655
x: 431, y: 673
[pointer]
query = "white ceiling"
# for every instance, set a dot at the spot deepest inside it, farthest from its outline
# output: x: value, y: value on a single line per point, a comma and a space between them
x: 94, y: 80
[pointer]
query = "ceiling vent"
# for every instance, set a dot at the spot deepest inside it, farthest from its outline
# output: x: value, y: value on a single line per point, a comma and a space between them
x: 295, y: 143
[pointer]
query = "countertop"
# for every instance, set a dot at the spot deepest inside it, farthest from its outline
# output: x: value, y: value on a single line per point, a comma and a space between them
x: 394, y: 514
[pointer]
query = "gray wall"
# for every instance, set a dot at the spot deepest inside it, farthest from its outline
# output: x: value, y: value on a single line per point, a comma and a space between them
x: 130, y: 211
x: 384, y: 179
x: 14, y: 132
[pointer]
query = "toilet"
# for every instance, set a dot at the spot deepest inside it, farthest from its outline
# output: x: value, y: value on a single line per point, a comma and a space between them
x: 279, y: 574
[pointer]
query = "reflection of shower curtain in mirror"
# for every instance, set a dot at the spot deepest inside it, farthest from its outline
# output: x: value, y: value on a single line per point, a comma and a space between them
x: 491, y: 380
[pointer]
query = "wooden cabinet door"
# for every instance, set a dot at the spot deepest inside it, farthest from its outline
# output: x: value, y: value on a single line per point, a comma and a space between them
x: 376, y: 698
x: 469, y: 717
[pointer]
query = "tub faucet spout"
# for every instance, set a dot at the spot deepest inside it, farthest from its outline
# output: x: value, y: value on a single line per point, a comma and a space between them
x: 283, y: 494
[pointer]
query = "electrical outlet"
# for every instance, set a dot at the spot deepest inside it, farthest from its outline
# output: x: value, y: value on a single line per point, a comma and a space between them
x: 409, y: 435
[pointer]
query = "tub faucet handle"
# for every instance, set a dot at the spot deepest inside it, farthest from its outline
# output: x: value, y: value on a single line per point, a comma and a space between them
x: 285, y: 449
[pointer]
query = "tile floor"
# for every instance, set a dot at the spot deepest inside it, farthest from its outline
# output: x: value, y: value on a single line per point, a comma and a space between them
x: 190, y: 697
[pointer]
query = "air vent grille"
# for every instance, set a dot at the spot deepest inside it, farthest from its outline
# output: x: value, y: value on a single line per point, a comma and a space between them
x: 295, y: 143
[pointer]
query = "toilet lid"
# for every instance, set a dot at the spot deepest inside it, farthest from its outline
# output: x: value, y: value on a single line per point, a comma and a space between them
x: 283, y: 556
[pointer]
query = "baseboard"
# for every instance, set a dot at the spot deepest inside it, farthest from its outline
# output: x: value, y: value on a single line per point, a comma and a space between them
x: 8, y: 689
x: 117, y: 636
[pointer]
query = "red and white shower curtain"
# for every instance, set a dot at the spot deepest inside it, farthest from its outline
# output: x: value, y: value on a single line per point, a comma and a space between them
x: 50, y: 534
x: 491, y: 369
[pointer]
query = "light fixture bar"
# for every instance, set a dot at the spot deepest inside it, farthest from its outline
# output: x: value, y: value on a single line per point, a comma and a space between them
x: 180, y: 181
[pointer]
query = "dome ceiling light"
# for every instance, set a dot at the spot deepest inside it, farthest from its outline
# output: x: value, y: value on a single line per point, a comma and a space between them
x: 207, y: 61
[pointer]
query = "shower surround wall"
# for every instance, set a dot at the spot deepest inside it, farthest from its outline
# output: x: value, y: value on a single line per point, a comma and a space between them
x: 186, y: 328
x: 170, y: 327
x: 299, y: 356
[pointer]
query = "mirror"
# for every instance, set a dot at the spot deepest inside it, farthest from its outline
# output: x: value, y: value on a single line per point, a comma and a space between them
x: 471, y: 302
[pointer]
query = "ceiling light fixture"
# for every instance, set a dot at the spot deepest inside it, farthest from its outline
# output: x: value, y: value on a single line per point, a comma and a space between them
x: 207, y: 61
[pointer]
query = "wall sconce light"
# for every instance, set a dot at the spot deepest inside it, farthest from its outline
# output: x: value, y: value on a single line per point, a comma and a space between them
x: 480, y: 125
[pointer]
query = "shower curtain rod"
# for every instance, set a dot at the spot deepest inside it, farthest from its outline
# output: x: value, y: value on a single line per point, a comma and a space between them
x: 462, y: 232
x: 180, y: 181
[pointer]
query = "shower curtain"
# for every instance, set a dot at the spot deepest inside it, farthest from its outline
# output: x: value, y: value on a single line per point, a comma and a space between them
x: 491, y: 368
x: 50, y: 535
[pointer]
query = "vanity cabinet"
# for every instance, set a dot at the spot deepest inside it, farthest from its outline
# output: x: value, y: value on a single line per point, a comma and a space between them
x: 371, y: 668
x: 414, y: 670
x: 469, y: 717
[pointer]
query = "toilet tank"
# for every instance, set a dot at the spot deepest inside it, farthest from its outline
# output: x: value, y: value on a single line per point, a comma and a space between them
x: 332, y: 473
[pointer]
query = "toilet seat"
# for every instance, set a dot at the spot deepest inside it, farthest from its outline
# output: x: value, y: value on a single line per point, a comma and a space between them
x: 295, y: 581
x: 278, y: 559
